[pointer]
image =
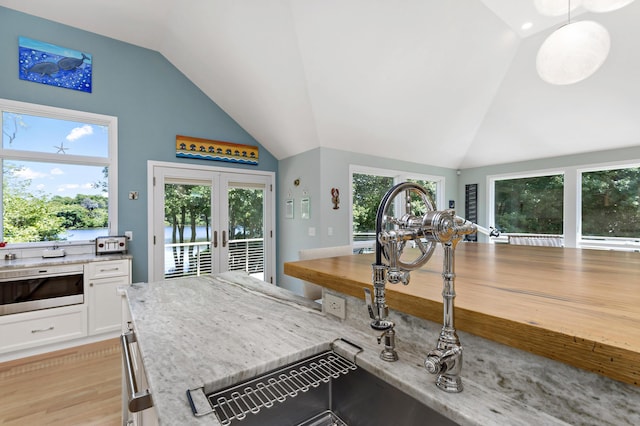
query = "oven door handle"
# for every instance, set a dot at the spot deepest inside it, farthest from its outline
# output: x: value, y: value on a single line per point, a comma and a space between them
x: 137, y: 400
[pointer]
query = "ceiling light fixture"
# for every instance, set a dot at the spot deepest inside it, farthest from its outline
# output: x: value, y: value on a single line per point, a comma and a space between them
x: 573, y: 52
x: 555, y: 7
x: 605, y: 5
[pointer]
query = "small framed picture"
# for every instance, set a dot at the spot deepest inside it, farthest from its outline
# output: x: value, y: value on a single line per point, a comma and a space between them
x: 288, y: 209
x: 305, y: 208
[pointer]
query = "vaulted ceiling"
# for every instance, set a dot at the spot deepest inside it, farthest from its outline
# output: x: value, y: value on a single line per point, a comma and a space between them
x: 447, y: 83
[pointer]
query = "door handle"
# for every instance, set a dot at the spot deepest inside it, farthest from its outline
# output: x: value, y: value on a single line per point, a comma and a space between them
x: 224, y: 238
x: 137, y: 400
x: 215, y: 239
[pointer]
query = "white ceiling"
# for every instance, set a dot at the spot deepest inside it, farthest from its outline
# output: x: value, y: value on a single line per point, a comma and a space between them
x: 447, y: 83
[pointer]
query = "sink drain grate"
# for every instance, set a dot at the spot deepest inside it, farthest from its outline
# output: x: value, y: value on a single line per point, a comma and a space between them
x: 326, y: 418
x: 236, y: 402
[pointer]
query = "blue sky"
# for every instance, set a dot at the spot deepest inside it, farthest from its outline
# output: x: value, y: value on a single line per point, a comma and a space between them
x: 69, y: 139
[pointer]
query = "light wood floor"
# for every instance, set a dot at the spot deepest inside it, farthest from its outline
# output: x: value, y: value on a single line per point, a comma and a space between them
x: 76, y: 386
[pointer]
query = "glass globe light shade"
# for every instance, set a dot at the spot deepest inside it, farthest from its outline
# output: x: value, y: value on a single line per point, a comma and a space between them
x: 555, y: 7
x: 605, y: 5
x: 573, y: 52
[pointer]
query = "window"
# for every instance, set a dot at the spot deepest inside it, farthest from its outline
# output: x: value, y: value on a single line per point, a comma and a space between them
x: 58, y: 174
x: 368, y: 187
x: 594, y: 206
x: 530, y: 205
x: 610, y: 203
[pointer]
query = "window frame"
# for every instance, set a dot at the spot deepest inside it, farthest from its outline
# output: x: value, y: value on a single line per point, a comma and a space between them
x: 613, y: 243
x: 572, y: 212
x: 398, y: 177
x: 491, y: 196
x: 110, y: 161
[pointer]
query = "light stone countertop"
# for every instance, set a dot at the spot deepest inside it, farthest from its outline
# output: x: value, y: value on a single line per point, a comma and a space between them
x: 218, y: 331
x: 38, y: 262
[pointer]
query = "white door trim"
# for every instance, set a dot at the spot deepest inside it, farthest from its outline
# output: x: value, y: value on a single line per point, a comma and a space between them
x: 270, y: 207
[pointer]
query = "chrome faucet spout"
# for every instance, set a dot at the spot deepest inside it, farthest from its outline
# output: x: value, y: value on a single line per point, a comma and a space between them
x: 424, y: 232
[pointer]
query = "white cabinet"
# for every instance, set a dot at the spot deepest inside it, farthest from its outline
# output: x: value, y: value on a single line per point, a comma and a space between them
x: 104, y: 305
x: 98, y: 317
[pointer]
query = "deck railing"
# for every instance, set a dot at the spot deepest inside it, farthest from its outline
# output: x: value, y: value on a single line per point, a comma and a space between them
x: 194, y: 259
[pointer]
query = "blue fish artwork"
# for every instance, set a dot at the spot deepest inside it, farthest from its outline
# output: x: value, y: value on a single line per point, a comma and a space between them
x: 53, y: 65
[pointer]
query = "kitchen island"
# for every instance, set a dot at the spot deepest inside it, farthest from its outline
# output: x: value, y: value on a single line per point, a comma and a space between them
x: 581, y: 307
x: 212, y: 332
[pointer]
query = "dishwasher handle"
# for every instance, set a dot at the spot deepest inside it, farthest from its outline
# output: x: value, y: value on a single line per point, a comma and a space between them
x: 137, y: 400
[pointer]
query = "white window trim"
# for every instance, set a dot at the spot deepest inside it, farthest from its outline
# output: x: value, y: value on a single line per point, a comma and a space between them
x: 270, y: 226
x: 398, y: 176
x: 611, y: 243
x: 572, y: 211
x: 491, y: 196
x: 110, y: 161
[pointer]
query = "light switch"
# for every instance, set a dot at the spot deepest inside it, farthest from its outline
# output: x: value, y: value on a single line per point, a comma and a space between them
x: 312, y: 231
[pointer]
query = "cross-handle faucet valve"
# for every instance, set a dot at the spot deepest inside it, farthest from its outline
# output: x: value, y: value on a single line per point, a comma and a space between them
x: 423, y: 230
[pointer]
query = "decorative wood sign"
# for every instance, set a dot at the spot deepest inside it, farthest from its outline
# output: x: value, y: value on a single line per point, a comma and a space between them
x: 207, y: 149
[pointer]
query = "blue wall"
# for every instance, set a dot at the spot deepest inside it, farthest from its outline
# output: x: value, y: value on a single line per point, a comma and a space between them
x: 153, y: 101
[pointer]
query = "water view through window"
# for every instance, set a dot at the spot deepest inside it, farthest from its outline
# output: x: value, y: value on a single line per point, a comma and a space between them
x: 55, y: 176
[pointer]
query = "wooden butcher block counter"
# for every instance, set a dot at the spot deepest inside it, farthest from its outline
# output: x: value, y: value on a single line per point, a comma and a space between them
x: 578, y: 306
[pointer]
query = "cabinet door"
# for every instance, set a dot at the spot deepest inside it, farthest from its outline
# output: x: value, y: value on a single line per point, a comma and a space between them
x: 105, y: 306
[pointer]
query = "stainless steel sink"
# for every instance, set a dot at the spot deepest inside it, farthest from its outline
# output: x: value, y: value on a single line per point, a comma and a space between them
x: 322, y: 390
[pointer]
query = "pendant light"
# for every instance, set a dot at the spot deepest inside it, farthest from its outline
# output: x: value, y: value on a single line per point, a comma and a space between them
x: 573, y: 52
x: 555, y: 7
x: 601, y: 6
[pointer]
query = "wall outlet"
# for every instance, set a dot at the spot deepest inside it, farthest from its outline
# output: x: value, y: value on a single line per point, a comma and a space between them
x: 335, y: 305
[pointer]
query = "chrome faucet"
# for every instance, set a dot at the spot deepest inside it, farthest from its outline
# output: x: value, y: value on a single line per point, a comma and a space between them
x: 425, y: 232
x: 391, y: 237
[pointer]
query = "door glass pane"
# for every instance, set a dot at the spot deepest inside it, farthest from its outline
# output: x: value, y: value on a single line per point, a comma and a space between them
x: 187, y: 231
x: 246, y: 229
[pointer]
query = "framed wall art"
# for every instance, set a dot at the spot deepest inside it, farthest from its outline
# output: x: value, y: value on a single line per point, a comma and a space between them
x: 305, y: 208
x: 46, y: 63
x: 208, y: 149
x: 288, y: 208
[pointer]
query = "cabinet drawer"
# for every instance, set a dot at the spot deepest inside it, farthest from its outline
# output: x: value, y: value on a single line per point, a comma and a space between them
x: 110, y: 268
x: 48, y: 326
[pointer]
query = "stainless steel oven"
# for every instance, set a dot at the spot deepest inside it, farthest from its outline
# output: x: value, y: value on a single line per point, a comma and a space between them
x: 30, y: 289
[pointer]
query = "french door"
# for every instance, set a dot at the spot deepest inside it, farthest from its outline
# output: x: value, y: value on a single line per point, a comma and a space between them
x: 206, y: 220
